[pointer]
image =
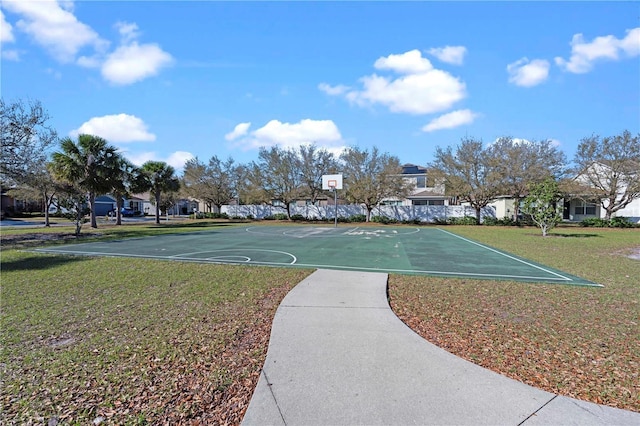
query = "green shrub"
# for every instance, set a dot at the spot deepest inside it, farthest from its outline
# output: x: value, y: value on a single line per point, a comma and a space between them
x: 594, y: 222
x: 358, y: 218
x: 493, y: 221
x: 620, y: 222
x: 383, y: 219
x: 414, y: 221
x: 280, y: 216
x: 270, y: 217
x: 467, y: 220
x: 298, y: 217
x: 440, y: 221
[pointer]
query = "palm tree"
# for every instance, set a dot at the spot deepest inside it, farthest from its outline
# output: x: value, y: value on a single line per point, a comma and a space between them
x: 160, y: 178
x: 124, y: 180
x: 88, y: 164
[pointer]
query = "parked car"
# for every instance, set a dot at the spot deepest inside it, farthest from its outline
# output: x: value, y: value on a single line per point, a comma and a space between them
x: 53, y: 209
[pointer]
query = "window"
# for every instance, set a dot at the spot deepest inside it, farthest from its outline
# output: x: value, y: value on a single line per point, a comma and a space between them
x: 583, y: 208
x: 428, y: 202
x: 421, y: 182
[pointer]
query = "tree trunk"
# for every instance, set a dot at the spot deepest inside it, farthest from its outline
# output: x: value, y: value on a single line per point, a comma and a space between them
x: 119, y: 205
x: 46, y: 211
x: 158, y: 207
x: 92, y: 209
x: 478, y: 214
x: 369, y: 209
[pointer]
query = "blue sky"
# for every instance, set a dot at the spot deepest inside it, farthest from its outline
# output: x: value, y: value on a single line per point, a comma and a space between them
x: 172, y: 80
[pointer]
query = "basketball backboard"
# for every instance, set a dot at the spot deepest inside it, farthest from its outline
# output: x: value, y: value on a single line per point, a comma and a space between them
x: 331, y: 182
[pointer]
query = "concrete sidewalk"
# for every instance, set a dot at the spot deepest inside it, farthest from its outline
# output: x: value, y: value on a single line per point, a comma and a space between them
x: 338, y: 355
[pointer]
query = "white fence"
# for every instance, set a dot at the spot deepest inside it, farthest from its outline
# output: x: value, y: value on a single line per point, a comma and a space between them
x: 399, y: 213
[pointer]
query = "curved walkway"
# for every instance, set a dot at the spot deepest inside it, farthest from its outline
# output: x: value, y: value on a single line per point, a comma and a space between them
x: 338, y: 355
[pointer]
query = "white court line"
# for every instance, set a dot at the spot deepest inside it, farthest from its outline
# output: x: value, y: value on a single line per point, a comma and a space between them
x: 310, y: 265
x: 506, y: 255
x: 181, y: 256
x: 151, y: 256
x: 326, y: 232
x: 329, y: 233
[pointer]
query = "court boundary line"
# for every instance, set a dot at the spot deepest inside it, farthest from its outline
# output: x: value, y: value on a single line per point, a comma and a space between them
x: 527, y: 278
x: 506, y: 255
x: 295, y: 259
x: 343, y: 232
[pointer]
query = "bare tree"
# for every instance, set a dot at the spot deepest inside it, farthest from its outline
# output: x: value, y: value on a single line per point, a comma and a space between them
x: 24, y: 138
x: 520, y: 163
x: 371, y: 177
x: 211, y: 183
x: 278, y: 177
x: 609, y: 170
x: 38, y: 183
x: 467, y: 173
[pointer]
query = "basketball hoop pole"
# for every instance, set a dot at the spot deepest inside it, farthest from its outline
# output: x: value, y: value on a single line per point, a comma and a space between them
x: 335, y: 203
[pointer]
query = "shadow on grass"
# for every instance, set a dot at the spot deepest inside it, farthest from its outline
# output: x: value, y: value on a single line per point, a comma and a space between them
x: 39, y: 262
x: 575, y: 235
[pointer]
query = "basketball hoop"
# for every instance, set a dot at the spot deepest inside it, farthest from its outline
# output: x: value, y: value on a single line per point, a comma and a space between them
x: 333, y: 183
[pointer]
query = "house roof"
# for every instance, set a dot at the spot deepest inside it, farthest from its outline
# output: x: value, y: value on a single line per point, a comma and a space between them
x: 427, y: 193
x: 412, y: 169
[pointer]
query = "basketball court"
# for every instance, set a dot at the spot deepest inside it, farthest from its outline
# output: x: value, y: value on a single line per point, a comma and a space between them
x: 402, y: 250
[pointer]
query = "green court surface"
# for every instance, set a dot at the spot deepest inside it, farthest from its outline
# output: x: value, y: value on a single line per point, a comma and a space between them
x: 402, y: 250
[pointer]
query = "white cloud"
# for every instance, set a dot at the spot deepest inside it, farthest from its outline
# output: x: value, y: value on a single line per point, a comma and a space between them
x: 421, y: 89
x: 128, y: 31
x: 10, y: 55
x: 451, y: 120
x: 54, y: 27
x: 118, y: 128
x: 410, y: 62
x: 134, y: 62
x: 178, y: 158
x: 6, y: 30
x: 175, y: 160
x: 140, y: 158
x: 527, y: 73
x: 449, y: 54
x: 340, y: 89
x: 238, y: 131
x: 322, y: 133
x: 585, y: 54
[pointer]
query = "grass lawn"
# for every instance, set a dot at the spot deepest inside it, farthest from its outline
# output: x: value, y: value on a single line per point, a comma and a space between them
x: 581, y: 342
x: 134, y: 341
x: 140, y: 341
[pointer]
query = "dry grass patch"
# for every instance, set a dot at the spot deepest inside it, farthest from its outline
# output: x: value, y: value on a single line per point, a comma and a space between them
x: 580, y: 342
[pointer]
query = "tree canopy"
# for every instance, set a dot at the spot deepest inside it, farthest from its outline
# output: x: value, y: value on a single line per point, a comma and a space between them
x: 25, y: 138
x: 88, y: 164
x: 520, y: 163
x: 211, y: 183
x: 542, y: 204
x: 468, y: 173
x: 371, y: 177
x: 277, y: 175
x: 159, y: 178
x: 608, y: 170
